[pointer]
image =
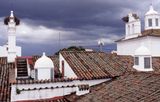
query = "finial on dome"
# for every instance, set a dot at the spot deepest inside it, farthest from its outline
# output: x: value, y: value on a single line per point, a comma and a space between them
x: 151, y: 7
x: 151, y: 11
x: 44, y: 54
x: 11, y: 15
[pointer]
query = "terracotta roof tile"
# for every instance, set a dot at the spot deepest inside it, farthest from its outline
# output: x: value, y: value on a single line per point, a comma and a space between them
x: 4, y: 81
x: 150, y: 32
x: 131, y: 87
x: 92, y: 65
x: 55, y: 99
x: 31, y: 81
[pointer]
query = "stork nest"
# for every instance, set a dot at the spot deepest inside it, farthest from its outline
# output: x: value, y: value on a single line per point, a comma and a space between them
x: 126, y: 18
x: 6, y: 20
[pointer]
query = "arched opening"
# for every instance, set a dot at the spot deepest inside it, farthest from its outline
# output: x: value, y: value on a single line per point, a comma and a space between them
x: 128, y: 29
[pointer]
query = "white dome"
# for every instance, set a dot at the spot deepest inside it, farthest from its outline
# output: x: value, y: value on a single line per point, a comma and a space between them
x: 142, y: 51
x: 44, y: 62
x: 151, y: 11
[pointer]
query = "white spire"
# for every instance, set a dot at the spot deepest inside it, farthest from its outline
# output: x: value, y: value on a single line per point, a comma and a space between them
x: 151, y: 11
x: 151, y: 7
x: 44, y: 54
x: 11, y: 15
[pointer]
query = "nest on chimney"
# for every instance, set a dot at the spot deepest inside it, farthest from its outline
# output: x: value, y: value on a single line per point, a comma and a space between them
x: 126, y: 18
x: 6, y: 20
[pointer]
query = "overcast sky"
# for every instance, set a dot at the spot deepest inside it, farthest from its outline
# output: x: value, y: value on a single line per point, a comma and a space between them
x: 78, y: 22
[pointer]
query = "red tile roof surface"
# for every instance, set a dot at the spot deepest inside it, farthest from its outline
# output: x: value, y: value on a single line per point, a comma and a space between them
x: 131, y: 87
x: 150, y: 32
x: 55, y: 99
x: 4, y: 81
x: 95, y: 65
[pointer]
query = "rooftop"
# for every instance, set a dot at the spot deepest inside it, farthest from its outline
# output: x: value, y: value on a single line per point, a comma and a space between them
x: 126, y: 84
x: 131, y: 87
x: 95, y: 65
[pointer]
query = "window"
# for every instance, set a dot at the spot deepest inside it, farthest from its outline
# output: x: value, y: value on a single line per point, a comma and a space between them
x: 136, y: 60
x: 52, y: 71
x: 132, y: 28
x: 62, y: 68
x: 36, y: 74
x: 149, y: 22
x: 147, y: 62
x: 157, y: 22
x: 128, y: 29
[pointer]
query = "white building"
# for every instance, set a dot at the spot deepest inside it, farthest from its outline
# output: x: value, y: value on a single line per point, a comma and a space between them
x: 80, y: 70
x: 10, y: 50
x: 133, y: 39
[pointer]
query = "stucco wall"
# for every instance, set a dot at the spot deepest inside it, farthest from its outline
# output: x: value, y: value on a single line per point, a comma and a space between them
x: 48, y: 93
x: 68, y: 72
x: 128, y: 47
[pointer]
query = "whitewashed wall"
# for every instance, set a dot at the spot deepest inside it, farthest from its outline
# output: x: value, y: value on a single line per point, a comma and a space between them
x: 44, y: 73
x: 128, y: 47
x: 48, y: 93
x: 68, y: 72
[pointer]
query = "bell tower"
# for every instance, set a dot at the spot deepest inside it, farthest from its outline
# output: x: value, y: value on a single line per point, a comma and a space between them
x: 132, y: 25
x: 152, y: 19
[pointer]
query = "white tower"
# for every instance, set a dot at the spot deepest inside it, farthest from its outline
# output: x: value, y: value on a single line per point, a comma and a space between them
x: 12, y: 50
x: 11, y: 38
x: 152, y: 19
x: 132, y: 25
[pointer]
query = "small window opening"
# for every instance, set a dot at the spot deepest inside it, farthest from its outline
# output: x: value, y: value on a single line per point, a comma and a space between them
x: 136, y: 60
x: 149, y: 22
x: 147, y: 62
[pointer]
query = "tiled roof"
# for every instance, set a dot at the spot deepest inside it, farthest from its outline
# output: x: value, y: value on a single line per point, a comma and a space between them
x: 131, y: 87
x: 4, y: 80
x: 31, y: 81
x: 94, y: 65
x: 150, y: 32
x: 156, y: 64
x: 56, y: 99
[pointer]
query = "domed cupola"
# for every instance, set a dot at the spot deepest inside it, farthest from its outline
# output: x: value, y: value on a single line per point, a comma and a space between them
x: 142, y: 59
x: 44, y: 68
x: 152, y: 19
x: 151, y: 11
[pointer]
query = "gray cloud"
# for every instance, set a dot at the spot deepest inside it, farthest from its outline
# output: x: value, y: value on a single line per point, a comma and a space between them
x: 79, y: 21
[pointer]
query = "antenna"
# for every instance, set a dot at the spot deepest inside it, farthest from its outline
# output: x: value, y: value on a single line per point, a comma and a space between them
x: 101, y: 44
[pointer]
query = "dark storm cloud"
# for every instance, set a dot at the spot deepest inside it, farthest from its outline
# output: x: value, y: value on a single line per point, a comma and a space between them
x: 67, y: 13
x: 87, y: 19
